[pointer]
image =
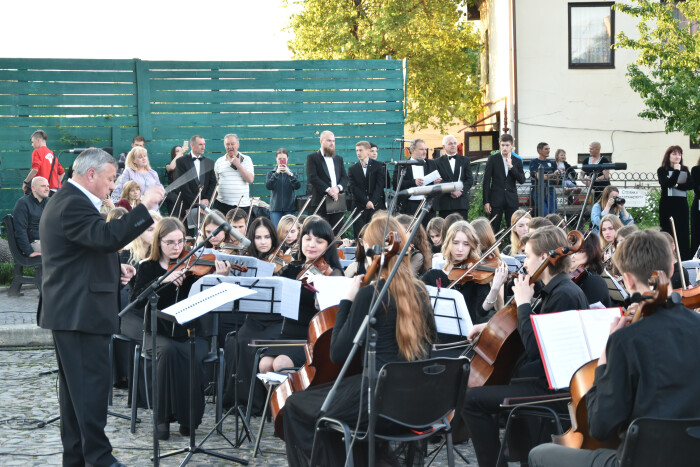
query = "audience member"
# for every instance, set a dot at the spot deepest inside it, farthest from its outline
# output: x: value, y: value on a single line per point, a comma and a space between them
x: 131, y: 195
x: 550, y: 177
x: 137, y: 169
x: 26, y: 217
x: 44, y: 164
x: 282, y: 183
x: 137, y: 141
x: 234, y: 174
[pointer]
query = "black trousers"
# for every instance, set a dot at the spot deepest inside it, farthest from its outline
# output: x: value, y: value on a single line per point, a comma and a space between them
x: 83, y: 375
x: 497, y: 213
x: 554, y: 455
x: 462, y: 212
x: 361, y: 221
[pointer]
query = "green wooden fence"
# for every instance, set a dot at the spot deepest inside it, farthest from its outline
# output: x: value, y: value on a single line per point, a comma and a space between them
x: 105, y: 103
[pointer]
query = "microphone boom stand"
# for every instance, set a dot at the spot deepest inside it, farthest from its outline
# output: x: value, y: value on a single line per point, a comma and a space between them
x: 594, y: 175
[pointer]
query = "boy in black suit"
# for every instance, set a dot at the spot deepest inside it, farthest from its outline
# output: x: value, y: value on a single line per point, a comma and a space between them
x: 366, y: 185
x: 500, y: 194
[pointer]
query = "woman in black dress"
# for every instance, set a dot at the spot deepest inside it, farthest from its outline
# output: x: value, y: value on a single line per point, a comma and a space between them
x: 173, y: 348
x: 316, y: 235
x: 695, y: 210
x: 405, y: 328
x: 675, y: 181
x: 590, y: 261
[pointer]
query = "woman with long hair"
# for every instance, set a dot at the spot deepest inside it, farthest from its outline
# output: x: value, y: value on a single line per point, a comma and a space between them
x: 609, y: 204
x: 434, y: 230
x: 522, y: 227
x: 131, y: 196
x: 405, y: 328
x: 675, y: 181
x: 609, y: 225
x: 586, y: 268
x: 695, y: 211
x: 288, y: 232
x: 137, y: 169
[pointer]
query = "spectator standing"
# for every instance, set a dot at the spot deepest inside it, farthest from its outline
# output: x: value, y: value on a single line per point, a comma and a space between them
x: 282, y: 184
x: 325, y: 171
x: 454, y: 167
x: 695, y: 210
x: 139, y: 170
x: 44, y: 164
x: 550, y: 177
x: 234, y: 174
x: 26, y: 217
x: 138, y: 141
x: 675, y: 181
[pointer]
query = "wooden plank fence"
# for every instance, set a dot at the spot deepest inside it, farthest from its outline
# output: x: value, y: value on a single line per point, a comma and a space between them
x: 105, y: 103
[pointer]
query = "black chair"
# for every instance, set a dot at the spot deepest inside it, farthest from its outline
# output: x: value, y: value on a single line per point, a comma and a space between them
x: 21, y: 261
x: 654, y: 442
x: 413, y: 399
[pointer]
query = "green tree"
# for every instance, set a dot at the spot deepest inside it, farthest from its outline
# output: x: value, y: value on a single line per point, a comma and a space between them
x: 442, y: 48
x: 666, y: 72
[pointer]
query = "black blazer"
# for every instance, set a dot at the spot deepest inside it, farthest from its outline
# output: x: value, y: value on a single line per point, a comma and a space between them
x: 443, y: 166
x: 369, y: 187
x: 320, y: 179
x: 188, y: 191
x: 500, y: 190
x: 80, y: 264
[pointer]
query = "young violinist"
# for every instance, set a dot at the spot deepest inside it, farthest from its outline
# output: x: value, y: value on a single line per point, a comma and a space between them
x: 495, y: 297
x: 522, y: 227
x: 648, y: 369
x: 173, y: 346
x: 359, y: 266
x: 558, y: 293
x: 316, y: 236
x: 586, y: 268
x: 238, y: 218
x: 405, y: 328
x: 609, y: 225
x: 287, y: 226
x: 421, y: 257
x: 434, y: 229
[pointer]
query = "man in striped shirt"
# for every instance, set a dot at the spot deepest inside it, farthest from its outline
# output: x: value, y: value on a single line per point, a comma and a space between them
x: 234, y: 174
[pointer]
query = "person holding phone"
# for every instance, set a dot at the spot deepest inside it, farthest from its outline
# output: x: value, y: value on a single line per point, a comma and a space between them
x: 282, y: 184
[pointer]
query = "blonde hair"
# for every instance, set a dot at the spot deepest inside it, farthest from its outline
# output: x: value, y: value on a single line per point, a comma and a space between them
x: 472, y: 238
x: 606, y: 196
x: 515, y: 240
x: 164, y: 226
x: 138, y: 251
x: 409, y: 293
x: 128, y: 186
x: 136, y: 151
x: 284, y: 225
x: 616, y: 223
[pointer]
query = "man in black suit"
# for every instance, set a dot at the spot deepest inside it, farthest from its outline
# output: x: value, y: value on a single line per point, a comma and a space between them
x: 374, y: 154
x: 454, y: 167
x: 326, y: 175
x: 414, y: 177
x: 200, y: 173
x: 500, y: 194
x: 79, y: 300
x: 366, y: 185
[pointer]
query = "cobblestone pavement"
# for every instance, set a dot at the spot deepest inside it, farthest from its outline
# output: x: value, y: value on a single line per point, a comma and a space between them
x: 29, y: 396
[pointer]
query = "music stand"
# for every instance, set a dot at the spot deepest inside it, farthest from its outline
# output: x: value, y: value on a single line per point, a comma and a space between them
x: 185, y: 312
x: 256, y: 267
x: 450, y: 310
x: 617, y: 292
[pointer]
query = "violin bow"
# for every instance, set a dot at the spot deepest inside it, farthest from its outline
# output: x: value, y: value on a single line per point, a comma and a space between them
x: 250, y: 213
x: 411, y: 225
x: 175, y: 204
x: 678, y: 252
x: 323, y: 200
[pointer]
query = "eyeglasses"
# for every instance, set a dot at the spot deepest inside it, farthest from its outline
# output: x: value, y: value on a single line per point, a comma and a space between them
x: 171, y: 243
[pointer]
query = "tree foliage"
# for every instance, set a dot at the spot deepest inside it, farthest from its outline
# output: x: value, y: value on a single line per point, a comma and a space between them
x: 666, y: 72
x: 442, y: 48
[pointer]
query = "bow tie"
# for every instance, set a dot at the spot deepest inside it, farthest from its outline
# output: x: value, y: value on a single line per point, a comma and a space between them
x: 196, y: 158
x: 451, y: 157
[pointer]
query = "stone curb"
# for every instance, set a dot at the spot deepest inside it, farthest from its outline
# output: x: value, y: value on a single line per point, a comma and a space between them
x: 24, y: 335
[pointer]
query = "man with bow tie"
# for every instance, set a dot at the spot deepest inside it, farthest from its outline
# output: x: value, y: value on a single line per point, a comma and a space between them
x: 326, y: 174
x: 414, y: 177
x: 454, y: 167
x: 366, y: 184
x: 200, y: 172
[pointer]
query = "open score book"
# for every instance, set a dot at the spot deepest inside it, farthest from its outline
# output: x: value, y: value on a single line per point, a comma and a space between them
x: 569, y: 339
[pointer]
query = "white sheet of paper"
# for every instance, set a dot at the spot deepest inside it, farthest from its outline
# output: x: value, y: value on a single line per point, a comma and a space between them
x: 198, y: 304
x: 596, y: 325
x: 271, y: 376
x: 331, y: 289
x: 256, y: 267
x: 450, y: 311
x: 431, y: 177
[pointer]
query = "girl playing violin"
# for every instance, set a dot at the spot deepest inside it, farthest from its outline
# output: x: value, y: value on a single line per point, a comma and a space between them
x: 172, y: 340
x: 287, y: 225
x: 316, y: 236
x: 405, y: 328
x: 421, y: 257
x: 522, y: 227
x: 586, y: 267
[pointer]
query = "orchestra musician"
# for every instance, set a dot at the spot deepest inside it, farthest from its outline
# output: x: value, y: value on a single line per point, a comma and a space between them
x: 648, y: 369
x: 173, y: 348
x: 326, y: 174
x: 609, y: 225
x: 434, y: 229
x: 316, y: 236
x: 558, y: 293
x: 421, y: 256
x: 286, y: 226
x: 586, y: 268
x: 414, y: 177
x: 405, y: 328
x: 675, y: 181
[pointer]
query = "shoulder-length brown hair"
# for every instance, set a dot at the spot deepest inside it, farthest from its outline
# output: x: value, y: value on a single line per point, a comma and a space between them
x: 164, y: 226
x: 666, y: 162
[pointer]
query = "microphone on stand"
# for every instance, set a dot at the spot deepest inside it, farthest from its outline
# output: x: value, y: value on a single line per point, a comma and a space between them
x: 225, y: 226
x: 432, y: 190
x: 406, y: 162
x: 405, y: 140
x: 601, y: 167
x: 76, y: 150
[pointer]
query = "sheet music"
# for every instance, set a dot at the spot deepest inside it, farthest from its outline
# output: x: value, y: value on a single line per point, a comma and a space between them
x: 331, y: 289
x: 682, y: 178
x: 450, y: 311
x: 201, y: 303
x: 596, y: 327
x: 256, y: 267
x: 431, y: 177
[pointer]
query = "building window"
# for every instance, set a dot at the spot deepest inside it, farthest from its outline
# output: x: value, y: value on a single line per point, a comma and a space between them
x: 591, y: 34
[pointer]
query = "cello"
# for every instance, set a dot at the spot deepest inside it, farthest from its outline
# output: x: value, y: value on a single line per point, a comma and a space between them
x: 578, y: 436
x: 498, y: 348
x: 319, y: 368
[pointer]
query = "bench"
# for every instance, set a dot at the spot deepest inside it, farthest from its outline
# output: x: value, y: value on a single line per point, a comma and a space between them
x: 21, y: 261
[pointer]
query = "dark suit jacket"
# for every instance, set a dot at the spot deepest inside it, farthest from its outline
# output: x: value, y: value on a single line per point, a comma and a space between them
x: 409, y: 182
x: 369, y: 187
x: 500, y: 190
x: 320, y: 179
x: 464, y: 175
x: 188, y: 191
x: 80, y: 264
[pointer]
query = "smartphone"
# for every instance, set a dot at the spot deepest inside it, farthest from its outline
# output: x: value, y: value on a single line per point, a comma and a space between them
x: 283, y: 163
x: 185, y: 146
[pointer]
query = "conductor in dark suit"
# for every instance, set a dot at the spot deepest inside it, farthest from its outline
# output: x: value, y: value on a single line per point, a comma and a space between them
x: 454, y: 167
x: 367, y: 179
x: 200, y: 172
x: 500, y: 194
x: 413, y: 178
x: 326, y: 175
x: 79, y: 299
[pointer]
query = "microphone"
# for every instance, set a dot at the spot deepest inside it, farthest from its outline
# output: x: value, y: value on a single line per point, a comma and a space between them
x: 407, y: 162
x: 601, y: 167
x: 405, y: 140
x: 225, y: 226
x: 76, y: 150
x: 432, y: 190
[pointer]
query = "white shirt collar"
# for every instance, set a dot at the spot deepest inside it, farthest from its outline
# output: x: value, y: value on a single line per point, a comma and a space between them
x: 97, y: 202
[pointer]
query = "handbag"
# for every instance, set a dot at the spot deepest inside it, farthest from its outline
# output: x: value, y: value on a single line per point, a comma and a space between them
x: 334, y: 207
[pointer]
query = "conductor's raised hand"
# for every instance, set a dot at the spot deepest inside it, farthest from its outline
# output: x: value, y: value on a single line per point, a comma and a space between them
x: 153, y: 197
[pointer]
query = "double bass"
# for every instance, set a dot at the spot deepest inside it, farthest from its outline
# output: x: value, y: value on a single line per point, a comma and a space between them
x: 319, y: 368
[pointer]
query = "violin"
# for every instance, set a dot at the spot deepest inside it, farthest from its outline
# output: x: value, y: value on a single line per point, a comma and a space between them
x: 319, y: 368
x: 318, y: 267
x: 279, y: 259
x: 578, y: 436
x: 498, y: 348
x: 481, y: 272
x: 578, y: 275
x: 233, y: 248
x: 203, y: 265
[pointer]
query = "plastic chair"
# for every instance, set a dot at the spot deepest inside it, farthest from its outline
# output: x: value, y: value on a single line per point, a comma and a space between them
x: 654, y: 441
x: 20, y: 261
x: 408, y: 399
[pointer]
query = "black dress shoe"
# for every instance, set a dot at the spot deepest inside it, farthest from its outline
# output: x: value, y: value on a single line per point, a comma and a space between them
x: 163, y: 431
x: 184, y: 430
